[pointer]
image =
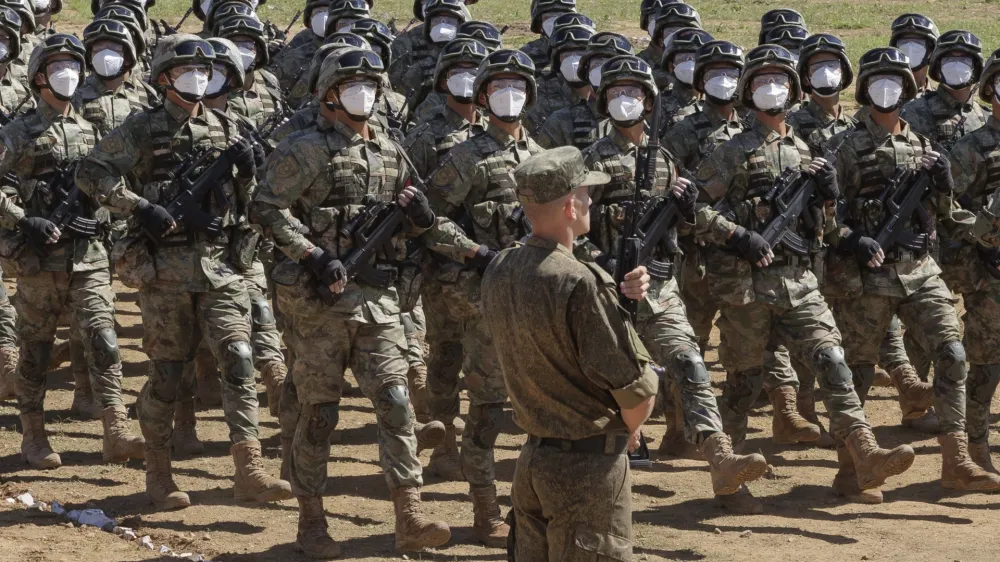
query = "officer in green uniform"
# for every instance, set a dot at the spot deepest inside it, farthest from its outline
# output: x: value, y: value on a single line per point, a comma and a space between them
x: 902, y: 279
x: 562, y: 87
x: 626, y: 95
x: 916, y: 36
x: 678, y: 62
x: 771, y: 294
x: 182, y: 293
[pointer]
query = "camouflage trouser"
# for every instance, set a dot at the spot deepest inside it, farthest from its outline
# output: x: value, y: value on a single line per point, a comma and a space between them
x: 415, y: 329
x: 779, y: 370
x: 264, y: 335
x: 892, y: 353
x: 322, y: 345
x: 982, y: 344
x: 487, y: 394
x: 811, y: 336
x: 671, y: 341
x: 929, y: 314
x: 40, y: 301
x: 8, y: 319
x: 701, y: 305
x: 444, y: 360
x: 175, y: 322
x: 571, y: 506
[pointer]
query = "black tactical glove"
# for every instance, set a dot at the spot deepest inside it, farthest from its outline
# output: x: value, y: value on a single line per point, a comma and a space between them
x: 862, y: 247
x: 991, y: 259
x: 484, y: 256
x: 326, y: 268
x: 259, y: 156
x: 940, y: 172
x: 826, y: 182
x: 240, y: 153
x: 750, y: 245
x: 419, y: 211
x: 37, y: 229
x: 687, y: 200
x: 154, y: 218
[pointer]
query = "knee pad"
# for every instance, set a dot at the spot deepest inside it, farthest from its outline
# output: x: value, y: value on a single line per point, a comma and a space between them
x: 104, y: 346
x: 323, y: 419
x: 691, y: 366
x: 831, y: 366
x: 485, y: 424
x: 238, y: 362
x: 951, y: 363
x: 165, y: 380
x: 260, y: 313
x: 394, y: 405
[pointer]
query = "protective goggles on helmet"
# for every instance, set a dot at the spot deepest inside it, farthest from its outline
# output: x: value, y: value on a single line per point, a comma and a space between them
x: 360, y: 60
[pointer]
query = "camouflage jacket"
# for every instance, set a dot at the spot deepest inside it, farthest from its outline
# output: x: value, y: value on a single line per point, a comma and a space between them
x: 677, y: 104
x: 816, y: 126
x: 553, y: 94
x: 149, y: 146
x: 388, y: 109
x: 407, y: 50
x: 941, y: 118
x: 866, y: 161
x: 742, y: 171
x: 108, y: 109
x: 293, y: 62
x: 538, y: 51
x: 259, y: 99
x: 427, y: 108
x: 34, y: 146
x: 325, y: 178
x: 475, y: 183
x: 13, y: 92
x: 695, y: 137
x: 18, y: 68
x: 439, y: 133
x: 417, y: 81
x: 578, y: 125
x: 652, y: 55
x: 303, y: 120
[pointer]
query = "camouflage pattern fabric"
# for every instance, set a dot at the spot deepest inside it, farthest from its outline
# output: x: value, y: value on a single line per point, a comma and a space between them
x: 578, y: 125
x: 259, y: 99
x: 292, y: 62
x: 407, y: 48
x: 813, y: 124
x: 442, y: 129
x: 552, y: 95
x: 415, y: 330
x: 538, y: 51
x: 678, y: 103
x: 8, y: 320
x: 13, y: 92
x: 108, y: 108
x: 941, y: 118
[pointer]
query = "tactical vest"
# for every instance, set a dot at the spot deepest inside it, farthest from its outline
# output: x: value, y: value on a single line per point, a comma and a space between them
x: 992, y: 175
x: 498, y: 220
x: 949, y: 125
x: 584, y: 126
x: 46, y: 160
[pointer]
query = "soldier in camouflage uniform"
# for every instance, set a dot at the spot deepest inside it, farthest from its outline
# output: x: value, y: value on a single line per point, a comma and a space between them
x: 678, y: 63
x: 771, y: 294
x: 543, y: 16
x: 475, y: 187
x: 670, y: 19
x: 409, y: 45
x: 580, y: 124
x: 916, y: 36
x: 55, y: 268
x: 122, y: 14
x: 14, y: 95
x: 181, y: 294
x: 442, y: 18
x: 393, y: 110
x: 260, y: 97
x: 626, y: 95
x: 361, y: 329
x: 779, y: 17
x: 974, y: 273
x: 289, y: 64
x: 18, y: 66
x: 562, y: 88
x: 901, y: 280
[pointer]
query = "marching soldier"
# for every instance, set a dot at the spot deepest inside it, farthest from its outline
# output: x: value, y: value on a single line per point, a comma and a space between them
x: 564, y: 88
x: 678, y: 64
x: 260, y: 97
x: 442, y: 19
x: 543, y: 20
x: 671, y: 17
x: 916, y: 36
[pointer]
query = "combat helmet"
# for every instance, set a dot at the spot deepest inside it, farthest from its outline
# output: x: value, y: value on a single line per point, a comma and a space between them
x: 621, y: 68
x: 677, y: 15
x: 335, y: 42
x: 227, y: 54
x: 345, y: 9
x: 247, y: 27
x: 541, y: 7
x: 25, y: 10
x: 10, y: 23
x: 919, y: 26
x: 58, y: 44
x: 97, y: 5
x: 378, y: 35
x: 790, y: 37
x: 222, y: 11
x: 825, y: 43
x: 684, y: 40
x: 715, y: 52
x: 134, y: 6
x: 779, y: 17
x: 572, y: 19
x: 482, y: 31
x: 567, y: 39
x: 457, y: 51
x: 178, y: 50
x: 127, y: 17
x: 604, y: 45
x: 311, y: 6
x: 343, y: 64
x: 956, y: 40
x: 884, y: 60
x: 55, y: 6
x: 505, y: 61
x: 768, y: 58
x: 990, y: 72
x: 452, y: 8
x: 196, y: 6
x: 110, y: 30
x: 649, y: 9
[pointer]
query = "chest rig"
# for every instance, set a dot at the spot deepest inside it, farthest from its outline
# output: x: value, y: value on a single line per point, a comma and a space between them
x: 990, y: 149
x: 709, y: 137
x: 950, y: 124
x: 497, y: 218
x: 584, y: 125
x: 55, y: 147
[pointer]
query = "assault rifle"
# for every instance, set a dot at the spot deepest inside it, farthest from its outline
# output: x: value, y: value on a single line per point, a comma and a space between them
x: 901, y: 198
x: 295, y: 18
x: 199, y: 175
x: 790, y: 196
x: 68, y: 214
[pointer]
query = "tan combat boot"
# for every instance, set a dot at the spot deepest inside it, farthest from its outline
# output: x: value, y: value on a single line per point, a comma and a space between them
x: 414, y: 531
x: 980, y: 453
x: 252, y: 483
x: 845, y: 483
x: 915, y: 395
x: 84, y: 405
x: 35, y: 448
x: 429, y: 435
x: 417, y: 379
x: 160, y: 485
x: 274, y: 373
x: 313, y: 538
x: 119, y: 444
x: 874, y: 464
x: 184, y: 440
x: 731, y: 471
x: 787, y: 425
x: 445, y: 462
x: 8, y: 372
x: 958, y: 472
x: 488, y: 526
x: 805, y: 403
x: 882, y: 378
x: 674, y: 444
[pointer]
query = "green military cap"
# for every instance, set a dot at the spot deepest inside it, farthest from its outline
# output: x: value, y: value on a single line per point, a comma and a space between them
x: 553, y: 174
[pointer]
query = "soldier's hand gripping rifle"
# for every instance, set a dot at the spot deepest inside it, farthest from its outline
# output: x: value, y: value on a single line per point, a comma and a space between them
x: 900, y: 199
x: 68, y: 216
x: 200, y: 175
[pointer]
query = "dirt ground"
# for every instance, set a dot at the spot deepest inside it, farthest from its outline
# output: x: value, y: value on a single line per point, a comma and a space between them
x: 675, y: 516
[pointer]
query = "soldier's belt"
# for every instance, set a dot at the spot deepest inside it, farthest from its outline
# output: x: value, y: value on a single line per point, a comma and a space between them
x: 787, y: 258
x: 612, y: 444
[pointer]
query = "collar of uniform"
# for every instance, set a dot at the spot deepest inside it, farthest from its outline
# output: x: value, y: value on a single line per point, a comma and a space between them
x: 350, y: 134
x: 103, y: 88
x: 716, y: 118
x: 455, y: 119
x: 769, y: 135
x: 180, y: 114
x: 946, y: 100
x: 622, y: 141
x: 821, y: 114
x: 546, y: 244
x: 683, y: 92
x: 503, y: 137
x: 877, y: 131
x: 49, y: 113
x: 568, y: 92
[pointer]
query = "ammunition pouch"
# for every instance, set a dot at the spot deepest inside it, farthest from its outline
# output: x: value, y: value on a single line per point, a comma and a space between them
x: 134, y: 263
x: 243, y: 246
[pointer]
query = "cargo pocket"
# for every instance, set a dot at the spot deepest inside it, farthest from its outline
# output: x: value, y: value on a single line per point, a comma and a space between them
x: 590, y: 546
x: 134, y: 263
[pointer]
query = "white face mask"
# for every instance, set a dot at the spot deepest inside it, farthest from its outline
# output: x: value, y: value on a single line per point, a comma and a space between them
x: 216, y: 84
x: 206, y: 7
x: 549, y: 22
x: 358, y: 99
x: 42, y: 5
x: 569, y: 66
x: 344, y: 25
x: 956, y: 71
x: 721, y: 87
x: 507, y: 102
x: 826, y: 76
x: 443, y: 30
x: 248, y: 57
x: 107, y: 63
x: 460, y: 84
x: 885, y: 91
x: 914, y: 49
x: 64, y: 82
x: 685, y: 72
x: 595, y: 73
x: 318, y: 23
x: 625, y: 109
x: 193, y: 83
x: 770, y: 96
